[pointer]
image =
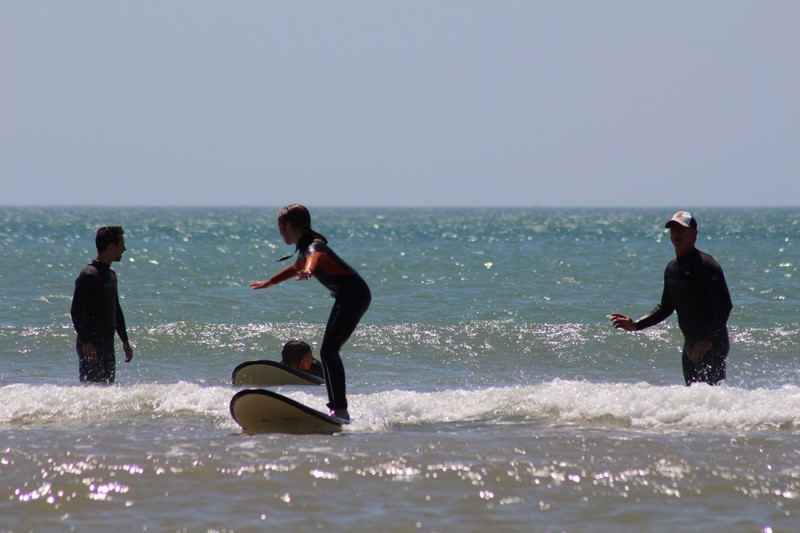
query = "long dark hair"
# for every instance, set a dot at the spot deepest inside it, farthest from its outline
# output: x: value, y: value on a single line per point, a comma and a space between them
x: 298, y: 216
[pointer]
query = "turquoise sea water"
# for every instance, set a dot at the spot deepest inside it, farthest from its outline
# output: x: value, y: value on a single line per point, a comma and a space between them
x: 489, y: 390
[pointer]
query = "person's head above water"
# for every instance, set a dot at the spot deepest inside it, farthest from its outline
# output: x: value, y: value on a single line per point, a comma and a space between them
x: 682, y: 232
x: 297, y: 354
x: 294, y: 222
x: 297, y: 215
x: 682, y: 218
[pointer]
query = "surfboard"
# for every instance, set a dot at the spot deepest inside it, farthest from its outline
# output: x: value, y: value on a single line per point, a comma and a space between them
x: 271, y: 374
x: 264, y: 411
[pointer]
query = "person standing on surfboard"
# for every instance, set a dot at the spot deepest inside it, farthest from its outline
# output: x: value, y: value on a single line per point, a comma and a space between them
x: 350, y: 292
x: 96, y: 313
x: 695, y: 287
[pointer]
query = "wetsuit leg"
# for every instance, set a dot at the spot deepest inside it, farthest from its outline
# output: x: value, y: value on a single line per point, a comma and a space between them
x: 102, y: 371
x: 345, y: 315
x: 710, y: 370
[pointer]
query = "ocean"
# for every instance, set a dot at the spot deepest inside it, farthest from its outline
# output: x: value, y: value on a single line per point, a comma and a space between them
x: 488, y: 389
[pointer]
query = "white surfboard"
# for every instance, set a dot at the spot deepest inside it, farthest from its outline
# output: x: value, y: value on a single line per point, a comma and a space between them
x: 264, y: 411
x: 271, y: 374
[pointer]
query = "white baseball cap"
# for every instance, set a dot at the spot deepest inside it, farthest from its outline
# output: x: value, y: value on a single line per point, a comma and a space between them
x: 684, y: 218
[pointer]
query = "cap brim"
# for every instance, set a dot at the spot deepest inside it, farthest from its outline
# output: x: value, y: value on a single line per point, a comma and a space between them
x: 678, y: 222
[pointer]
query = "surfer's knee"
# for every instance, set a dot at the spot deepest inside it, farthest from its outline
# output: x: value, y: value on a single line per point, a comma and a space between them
x: 329, y: 353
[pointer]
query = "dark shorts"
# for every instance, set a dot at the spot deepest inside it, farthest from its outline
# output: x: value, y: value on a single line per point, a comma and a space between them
x: 104, y: 370
x: 711, y: 369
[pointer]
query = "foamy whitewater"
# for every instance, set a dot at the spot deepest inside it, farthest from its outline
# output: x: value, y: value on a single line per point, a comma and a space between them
x: 488, y: 389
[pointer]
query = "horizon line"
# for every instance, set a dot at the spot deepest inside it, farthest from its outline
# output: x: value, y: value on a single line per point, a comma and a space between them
x: 400, y: 206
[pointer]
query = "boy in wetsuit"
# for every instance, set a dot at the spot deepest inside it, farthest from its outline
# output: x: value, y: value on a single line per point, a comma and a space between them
x: 96, y: 313
x: 297, y: 354
x: 351, y: 293
x: 694, y: 287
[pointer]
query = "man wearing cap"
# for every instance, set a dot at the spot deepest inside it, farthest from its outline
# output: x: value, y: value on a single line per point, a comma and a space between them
x: 694, y: 287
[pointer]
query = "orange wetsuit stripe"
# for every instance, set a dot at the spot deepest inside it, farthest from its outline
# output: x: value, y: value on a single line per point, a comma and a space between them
x: 285, y: 274
x: 326, y: 263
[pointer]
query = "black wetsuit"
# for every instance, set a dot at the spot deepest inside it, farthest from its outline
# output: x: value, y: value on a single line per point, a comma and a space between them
x: 316, y: 369
x: 695, y: 287
x: 97, y: 315
x: 352, y: 298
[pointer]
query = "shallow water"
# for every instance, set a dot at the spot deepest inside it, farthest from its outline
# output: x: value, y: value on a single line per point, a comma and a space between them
x: 488, y: 389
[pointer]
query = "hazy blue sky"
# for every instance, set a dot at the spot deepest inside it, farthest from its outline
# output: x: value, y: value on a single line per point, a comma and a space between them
x: 412, y: 103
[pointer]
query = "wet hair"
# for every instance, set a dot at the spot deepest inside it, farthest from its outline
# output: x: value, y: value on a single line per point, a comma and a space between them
x: 106, y: 236
x: 294, y: 351
x: 298, y: 216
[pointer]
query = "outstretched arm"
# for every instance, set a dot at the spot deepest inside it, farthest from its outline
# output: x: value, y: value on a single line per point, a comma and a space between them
x: 658, y: 314
x: 283, y: 275
x: 621, y: 321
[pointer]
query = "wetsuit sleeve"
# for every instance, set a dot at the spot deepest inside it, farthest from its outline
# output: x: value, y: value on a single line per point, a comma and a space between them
x: 312, y: 261
x: 122, y: 331
x: 721, y: 298
x: 287, y: 273
x: 319, y: 258
x: 316, y: 369
x: 660, y: 312
x: 80, y: 305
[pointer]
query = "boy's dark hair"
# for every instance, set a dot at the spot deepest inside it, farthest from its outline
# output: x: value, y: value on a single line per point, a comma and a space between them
x: 108, y: 235
x: 294, y: 351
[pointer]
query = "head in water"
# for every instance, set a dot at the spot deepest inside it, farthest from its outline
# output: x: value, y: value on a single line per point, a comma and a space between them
x: 297, y: 354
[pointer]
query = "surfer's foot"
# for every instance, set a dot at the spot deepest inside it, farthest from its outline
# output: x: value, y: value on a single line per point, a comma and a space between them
x: 340, y: 413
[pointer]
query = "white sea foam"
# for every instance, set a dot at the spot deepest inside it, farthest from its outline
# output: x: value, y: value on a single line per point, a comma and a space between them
x: 637, y: 405
x: 36, y: 405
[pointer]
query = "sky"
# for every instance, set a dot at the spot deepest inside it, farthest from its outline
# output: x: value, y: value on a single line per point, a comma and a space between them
x: 436, y: 103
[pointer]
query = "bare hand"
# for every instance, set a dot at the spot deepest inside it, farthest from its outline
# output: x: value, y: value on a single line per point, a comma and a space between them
x: 304, y: 274
x: 89, y: 353
x: 128, y: 352
x: 699, y: 350
x: 259, y: 285
x: 621, y: 321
